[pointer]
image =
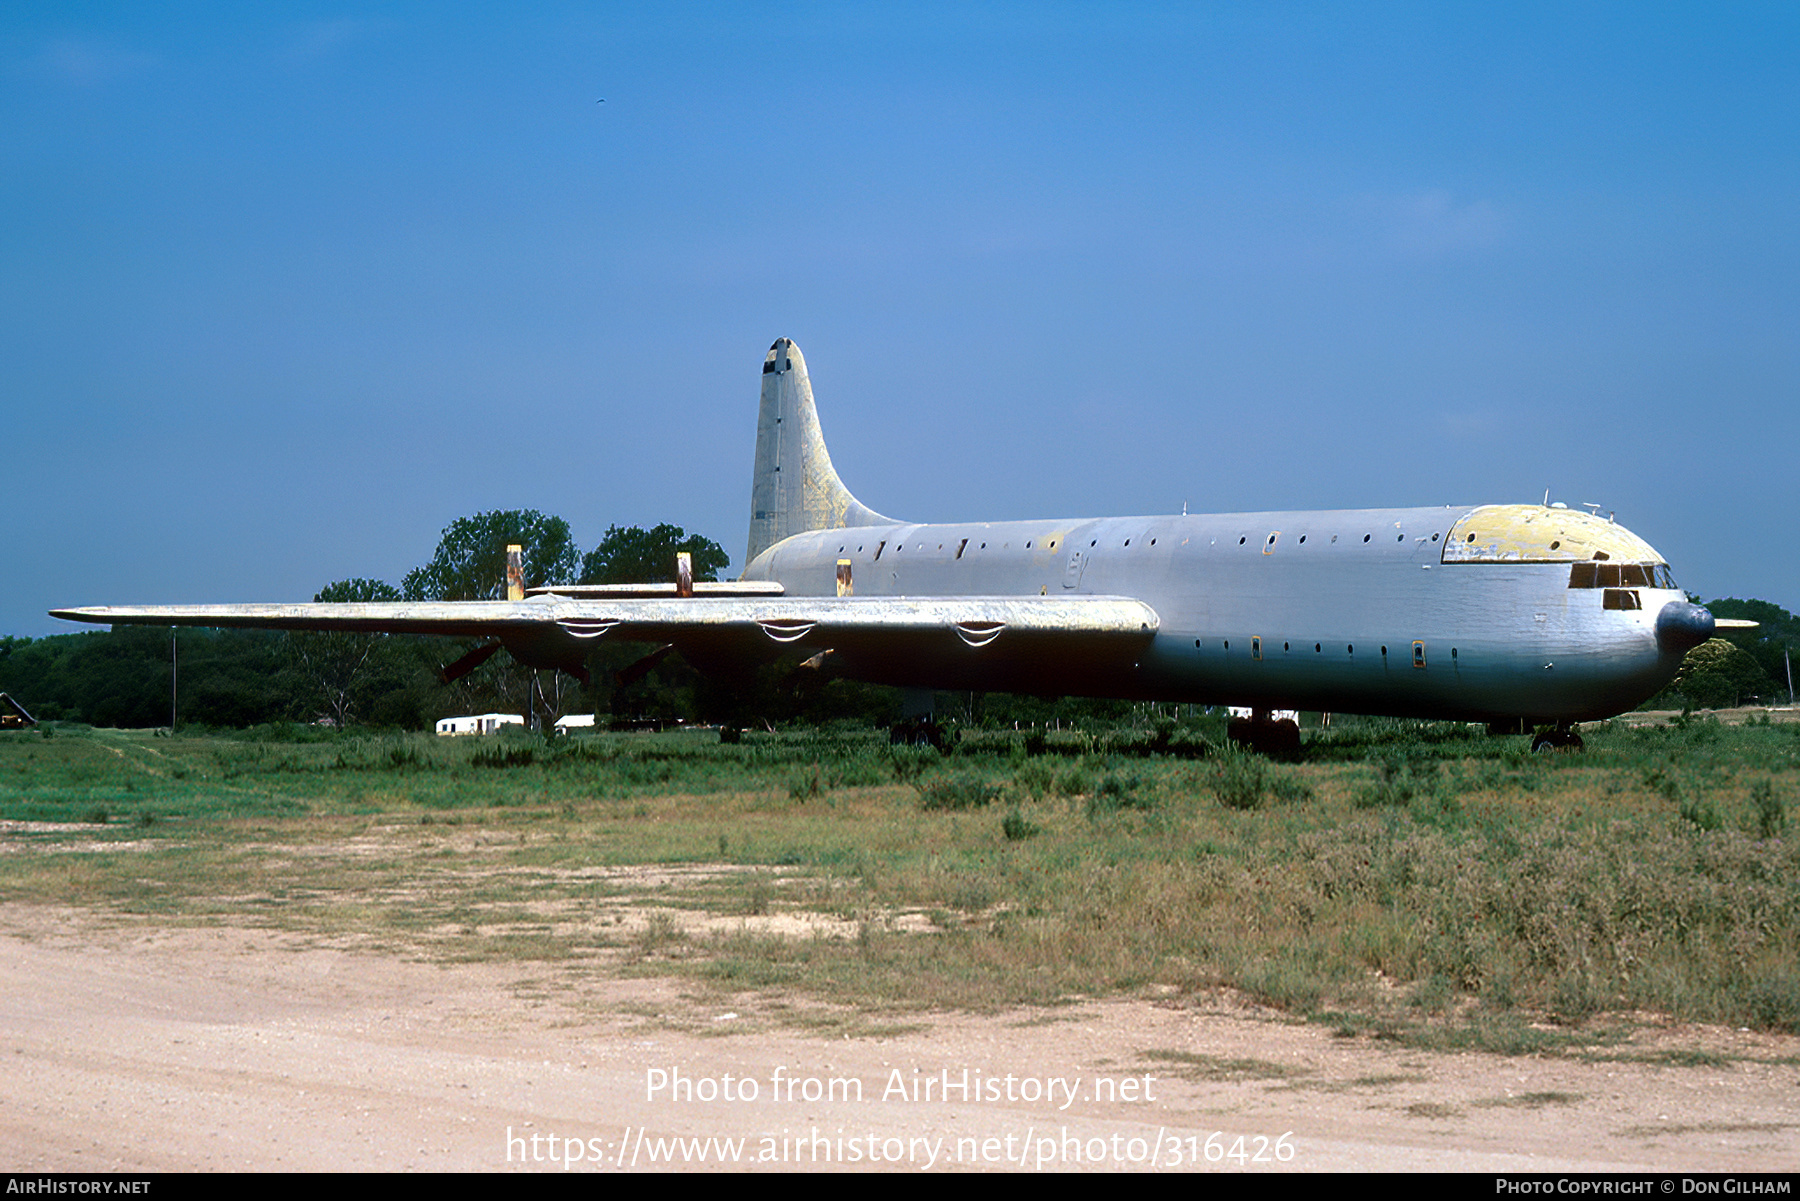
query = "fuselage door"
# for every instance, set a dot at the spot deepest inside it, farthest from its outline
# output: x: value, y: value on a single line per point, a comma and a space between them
x: 1077, y: 565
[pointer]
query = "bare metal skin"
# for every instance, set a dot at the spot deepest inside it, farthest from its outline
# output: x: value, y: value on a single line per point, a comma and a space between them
x: 1493, y: 613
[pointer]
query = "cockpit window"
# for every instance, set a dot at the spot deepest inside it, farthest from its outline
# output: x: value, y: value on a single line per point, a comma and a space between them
x: 1621, y: 575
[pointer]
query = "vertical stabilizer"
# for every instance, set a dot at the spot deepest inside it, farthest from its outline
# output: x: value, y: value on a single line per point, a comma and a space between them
x: 795, y: 488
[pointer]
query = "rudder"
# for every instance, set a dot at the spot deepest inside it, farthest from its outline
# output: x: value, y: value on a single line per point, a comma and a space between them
x: 795, y: 488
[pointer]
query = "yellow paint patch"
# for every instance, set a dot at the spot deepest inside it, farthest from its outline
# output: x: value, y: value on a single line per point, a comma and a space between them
x: 1535, y: 534
x: 1046, y: 546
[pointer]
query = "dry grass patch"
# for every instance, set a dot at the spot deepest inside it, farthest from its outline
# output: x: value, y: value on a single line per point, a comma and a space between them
x: 1421, y: 886
x: 1531, y: 1101
x: 1202, y: 1068
x: 1433, y: 1111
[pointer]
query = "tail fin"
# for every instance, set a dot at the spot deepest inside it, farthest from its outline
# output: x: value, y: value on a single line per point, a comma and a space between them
x: 795, y: 488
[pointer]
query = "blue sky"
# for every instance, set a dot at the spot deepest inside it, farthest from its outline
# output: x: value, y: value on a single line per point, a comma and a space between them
x: 285, y: 289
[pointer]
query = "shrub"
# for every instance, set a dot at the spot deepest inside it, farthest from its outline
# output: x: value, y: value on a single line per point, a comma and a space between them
x: 1116, y: 792
x: 1700, y: 812
x: 807, y: 785
x: 910, y: 762
x: 1035, y: 779
x: 1074, y: 782
x: 1771, y: 812
x: 1238, y: 779
x: 1403, y: 777
x: 498, y: 755
x: 1016, y: 828
x: 957, y: 792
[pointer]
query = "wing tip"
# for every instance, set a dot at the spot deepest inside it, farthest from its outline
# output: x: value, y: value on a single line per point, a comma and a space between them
x: 75, y: 614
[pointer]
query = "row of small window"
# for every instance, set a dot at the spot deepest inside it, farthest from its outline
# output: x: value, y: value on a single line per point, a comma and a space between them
x: 1256, y: 649
x: 1267, y: 546
x: 964, y: 545
x: 900, y: 547
x: 1621, y: 575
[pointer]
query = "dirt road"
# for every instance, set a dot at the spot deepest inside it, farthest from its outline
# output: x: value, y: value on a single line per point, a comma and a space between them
x: 131, y: 1048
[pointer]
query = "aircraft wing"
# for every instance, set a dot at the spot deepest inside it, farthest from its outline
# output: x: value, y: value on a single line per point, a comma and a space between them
x: 459, y: 619
x: 1030, y: 641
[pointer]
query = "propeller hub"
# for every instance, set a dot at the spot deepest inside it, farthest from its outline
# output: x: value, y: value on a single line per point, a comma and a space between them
x: 1682, y: 626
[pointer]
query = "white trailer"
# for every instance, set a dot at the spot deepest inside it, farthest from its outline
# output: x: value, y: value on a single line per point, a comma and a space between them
x: 480, y: 723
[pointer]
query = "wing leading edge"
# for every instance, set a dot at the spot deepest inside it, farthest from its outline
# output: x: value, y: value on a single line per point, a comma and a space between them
x: 1043, y: 644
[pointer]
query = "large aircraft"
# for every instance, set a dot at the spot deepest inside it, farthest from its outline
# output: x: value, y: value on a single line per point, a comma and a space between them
x: 1517, y: 615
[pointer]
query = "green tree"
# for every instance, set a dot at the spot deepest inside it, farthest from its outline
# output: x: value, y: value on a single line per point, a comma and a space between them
x: 631, y: 555
x: 470, y: 563
x: 1774, y: 643
x: 1718, y: 675
x: 121, y: 677
x: 357, y: 592
x: 342, y: 667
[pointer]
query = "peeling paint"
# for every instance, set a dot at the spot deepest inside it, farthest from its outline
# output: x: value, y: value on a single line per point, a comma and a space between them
x: 1536, y: 534
x: 795, y: 487
x: 515, y: 572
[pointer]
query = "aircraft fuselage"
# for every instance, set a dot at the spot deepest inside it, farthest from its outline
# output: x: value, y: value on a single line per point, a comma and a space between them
x: 1498, y: 613
x: 1388, y: 611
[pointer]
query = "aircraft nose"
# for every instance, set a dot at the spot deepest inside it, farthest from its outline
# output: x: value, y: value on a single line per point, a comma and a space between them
x: 1681, y: 626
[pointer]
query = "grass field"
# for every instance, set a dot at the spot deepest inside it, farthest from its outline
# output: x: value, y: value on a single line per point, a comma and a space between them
x: 1421, y: 882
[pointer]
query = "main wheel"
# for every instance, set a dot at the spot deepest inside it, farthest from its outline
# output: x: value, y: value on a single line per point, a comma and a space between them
x: 1556, y: 740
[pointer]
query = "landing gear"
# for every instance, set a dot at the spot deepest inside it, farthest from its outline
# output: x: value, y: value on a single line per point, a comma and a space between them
x: 1258, y: 733
x: 1561, y: 738
x: 917, y: 731
x: 917, y: 725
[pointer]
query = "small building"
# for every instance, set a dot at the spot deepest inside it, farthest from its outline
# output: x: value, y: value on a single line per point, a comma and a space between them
x: 575, y: 721
x: 13, y: 715
x: 481, y: 723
